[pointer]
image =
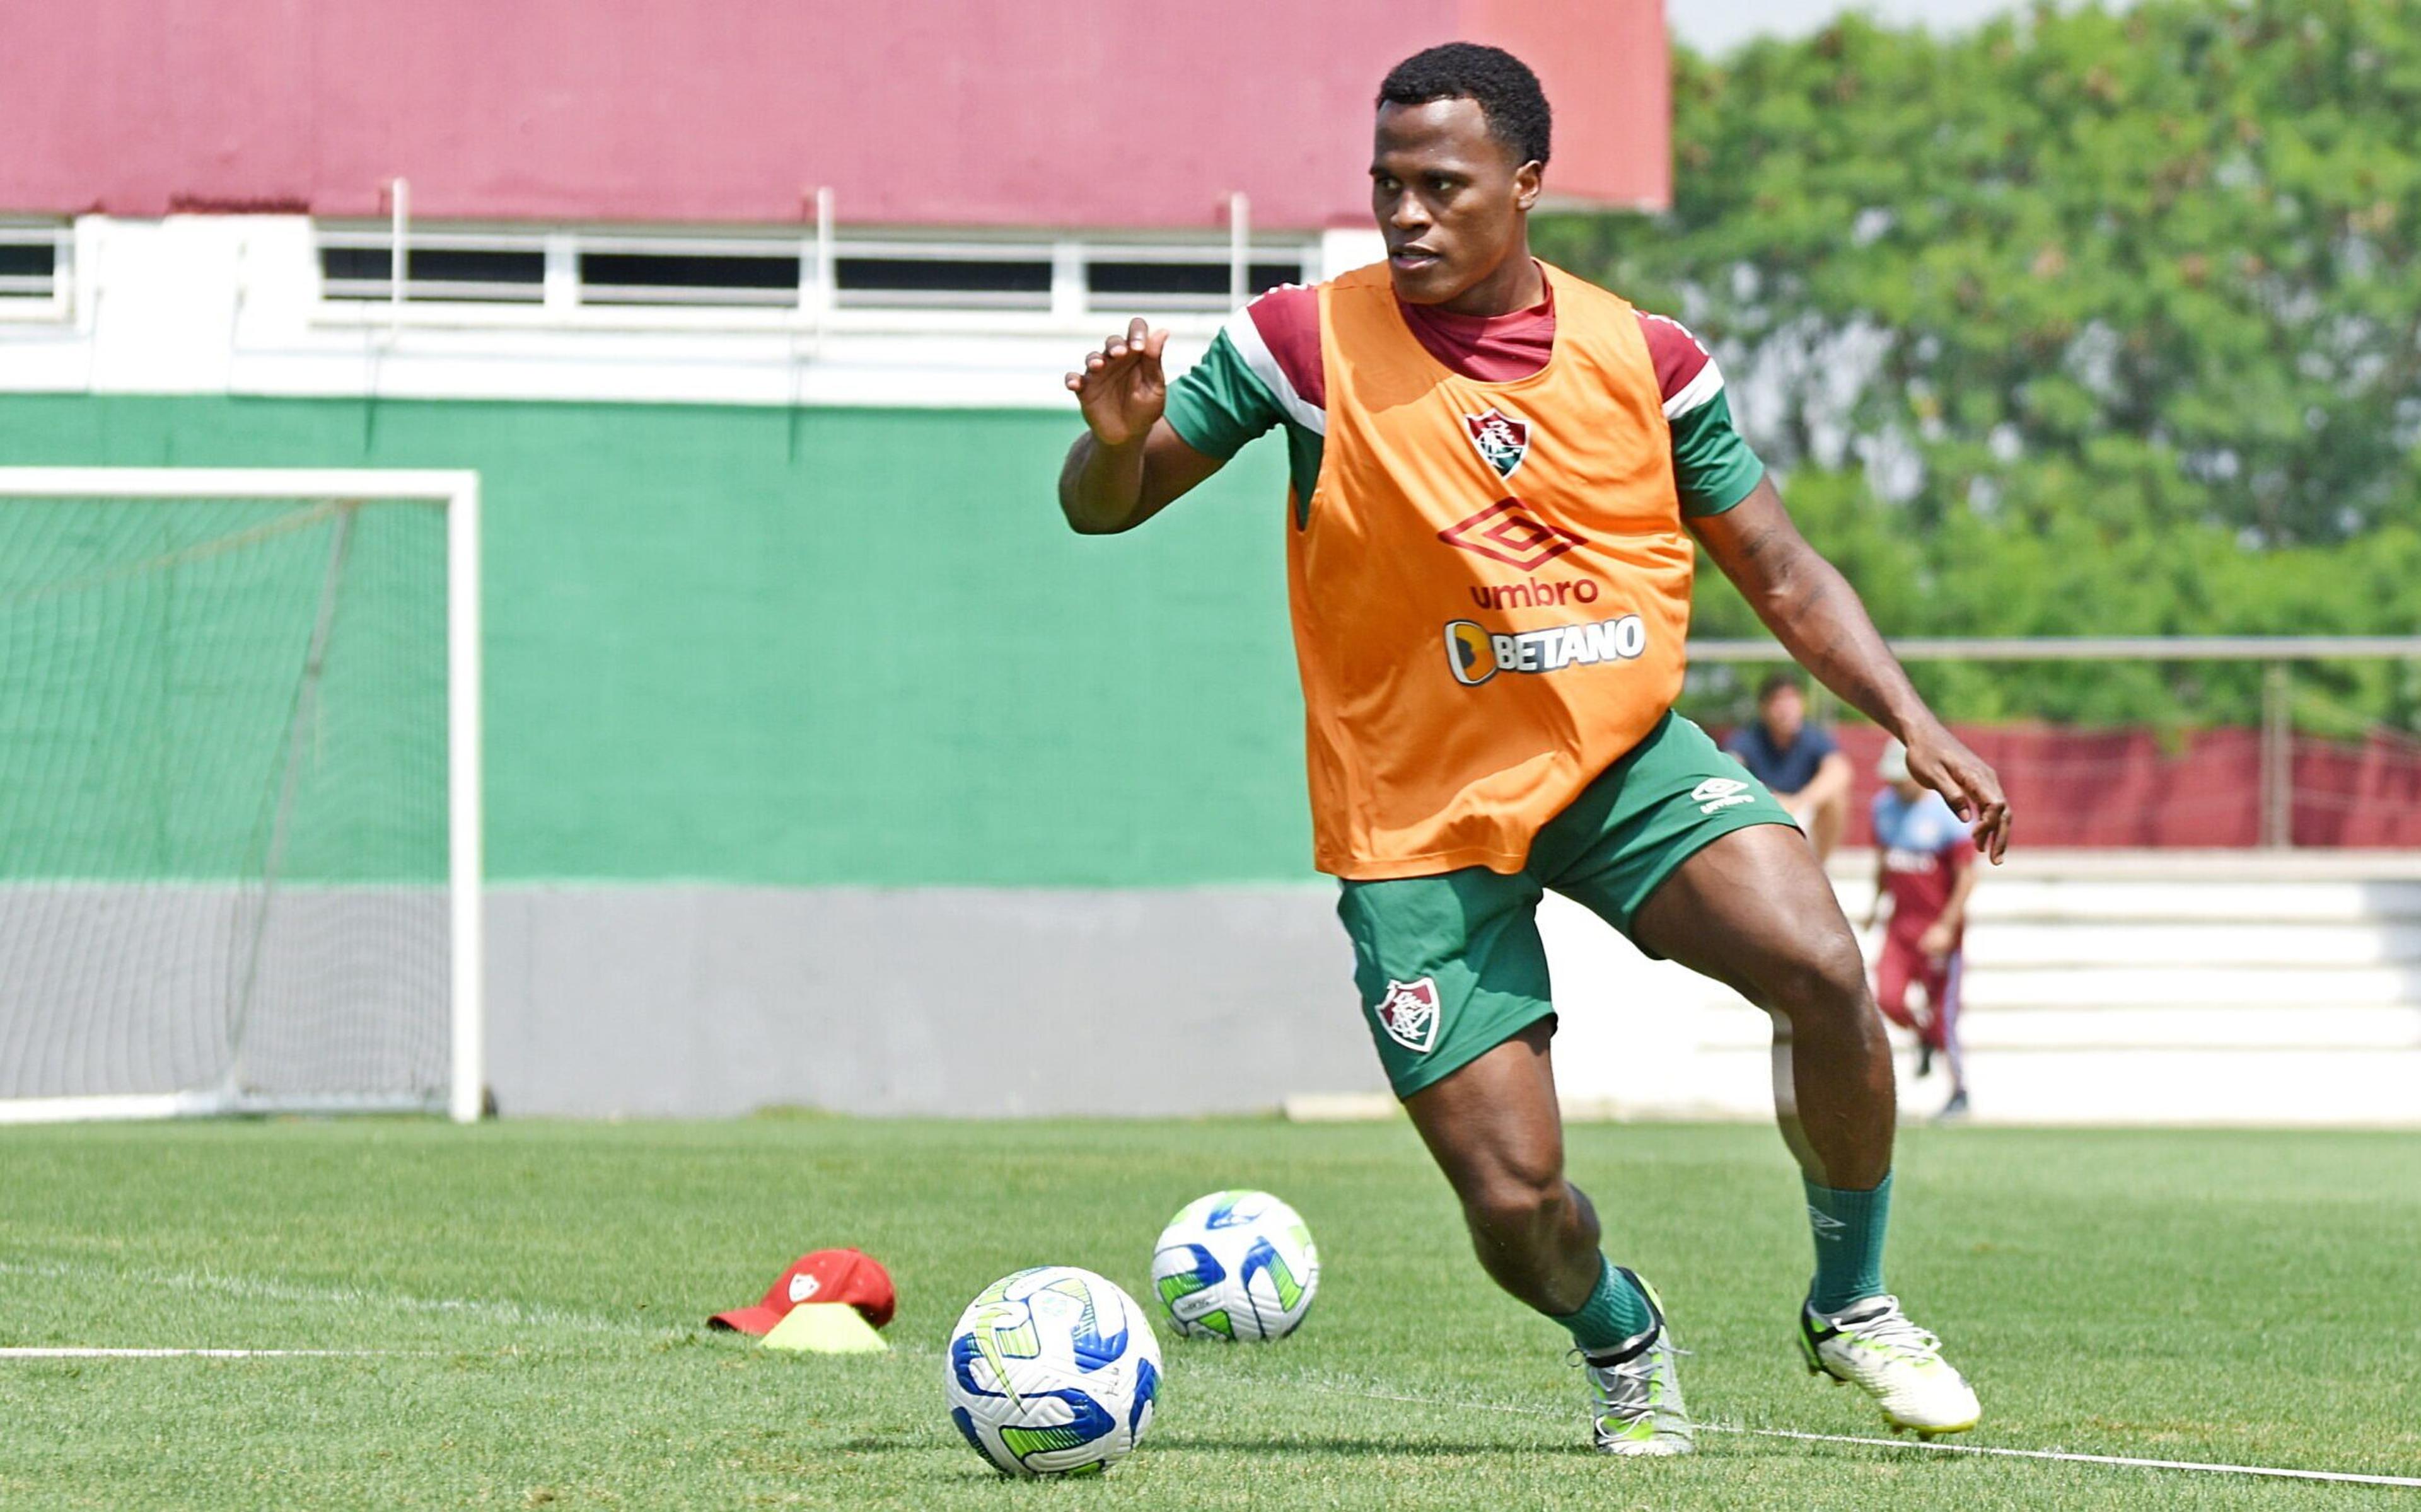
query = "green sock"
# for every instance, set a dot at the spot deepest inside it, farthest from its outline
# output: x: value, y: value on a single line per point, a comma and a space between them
x: 1848, y: 1227
x: 1616, y: 1313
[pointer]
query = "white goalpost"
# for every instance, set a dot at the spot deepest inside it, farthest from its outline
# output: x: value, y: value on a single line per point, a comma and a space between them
x: 240, y: 792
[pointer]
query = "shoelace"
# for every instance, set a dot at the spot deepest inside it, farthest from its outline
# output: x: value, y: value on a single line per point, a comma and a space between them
x: 1638, y: 1377
x: 1890, y: 1328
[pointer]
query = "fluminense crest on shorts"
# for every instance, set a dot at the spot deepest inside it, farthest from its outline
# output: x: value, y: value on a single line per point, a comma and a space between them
x: 1409, y: 1013
x: 1502, y: 440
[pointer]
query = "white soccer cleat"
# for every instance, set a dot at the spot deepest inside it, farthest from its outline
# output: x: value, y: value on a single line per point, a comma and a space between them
x: 1636, y: 1392
x: 1873, y: 1345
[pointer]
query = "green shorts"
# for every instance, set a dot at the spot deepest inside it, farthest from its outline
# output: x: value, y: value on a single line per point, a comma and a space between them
x: 1451, y: 966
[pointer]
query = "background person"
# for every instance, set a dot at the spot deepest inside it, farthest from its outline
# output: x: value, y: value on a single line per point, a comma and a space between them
x: 1923, y: 863
x: 1798, y: 760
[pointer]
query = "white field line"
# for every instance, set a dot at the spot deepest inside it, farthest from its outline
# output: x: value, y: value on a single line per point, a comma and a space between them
x: 64, y: 1352
x: 254, y: 1288
x: 249, y: 1287
x: 2271, y: 1472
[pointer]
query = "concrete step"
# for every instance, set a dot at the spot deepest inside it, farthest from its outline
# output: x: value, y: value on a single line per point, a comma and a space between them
x: 2165, y: 1086
x: 2185, y: 985
x: 2177, y: 900
x: 2028, y: 863
x: 2121, y: 1028
x: 1997, y: 943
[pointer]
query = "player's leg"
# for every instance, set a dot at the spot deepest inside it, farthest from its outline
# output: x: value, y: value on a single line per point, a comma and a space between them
x: 1753, y: 910
x: 1454, y: 980
x: 1945, y: 990
x: 1496, y: 1131
x: 1696, y: 861
x: 1895, y: 972
x: 1824, y: 821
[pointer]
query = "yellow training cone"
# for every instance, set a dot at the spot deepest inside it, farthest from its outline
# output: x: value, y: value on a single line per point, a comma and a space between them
x: 825, y: 1328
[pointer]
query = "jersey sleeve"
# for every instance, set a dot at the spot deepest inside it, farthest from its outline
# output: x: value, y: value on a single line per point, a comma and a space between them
x: 1713, y: 468
x: 1262, y: 370
x: 1219, y: 403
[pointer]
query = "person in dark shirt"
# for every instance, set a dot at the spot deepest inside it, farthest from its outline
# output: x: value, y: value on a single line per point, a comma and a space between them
x: 1797, y: 759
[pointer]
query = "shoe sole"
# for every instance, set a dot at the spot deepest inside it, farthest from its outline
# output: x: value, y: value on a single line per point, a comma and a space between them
x: 1648, y: 1452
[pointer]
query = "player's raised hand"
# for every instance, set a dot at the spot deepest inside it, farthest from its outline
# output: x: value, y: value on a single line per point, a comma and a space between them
x: 1122, y: 388
x: 1942, y: 761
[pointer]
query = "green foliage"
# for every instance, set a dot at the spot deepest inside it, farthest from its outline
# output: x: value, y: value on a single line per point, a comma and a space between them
x: 2079, y: 323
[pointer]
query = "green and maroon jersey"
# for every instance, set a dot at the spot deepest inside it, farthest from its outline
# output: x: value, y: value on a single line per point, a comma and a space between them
x: 1264, y: 370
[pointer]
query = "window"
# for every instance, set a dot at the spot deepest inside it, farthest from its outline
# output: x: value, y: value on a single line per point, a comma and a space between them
x: 447, y: 267
x: 908, y: 276
x: 1178, y: 286
x: 635, y: 271
x: 33, y: 268
x: 743, y: 279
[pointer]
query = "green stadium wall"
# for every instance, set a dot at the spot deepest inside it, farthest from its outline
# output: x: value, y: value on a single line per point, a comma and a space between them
x: 820, y: 647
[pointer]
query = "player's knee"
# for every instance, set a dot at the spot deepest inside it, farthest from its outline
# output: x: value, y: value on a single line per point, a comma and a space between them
x: 1511, y: 1206
x: 1824, y: 977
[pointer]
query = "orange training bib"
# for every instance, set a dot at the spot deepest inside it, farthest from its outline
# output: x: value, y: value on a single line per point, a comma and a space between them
x: 1491, y: 589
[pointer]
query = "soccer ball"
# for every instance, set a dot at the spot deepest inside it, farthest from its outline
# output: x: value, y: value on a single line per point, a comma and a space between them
x: 1052, y: 1372
x: 1236, y: 1265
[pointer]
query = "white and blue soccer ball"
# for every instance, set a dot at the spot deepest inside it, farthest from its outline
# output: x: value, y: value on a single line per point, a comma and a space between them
x: 1236, y: 1265
x: 1052, y: 1372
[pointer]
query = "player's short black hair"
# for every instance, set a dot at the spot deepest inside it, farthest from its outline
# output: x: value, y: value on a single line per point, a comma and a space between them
x: 1501, y: 84
x: 1773, y: 682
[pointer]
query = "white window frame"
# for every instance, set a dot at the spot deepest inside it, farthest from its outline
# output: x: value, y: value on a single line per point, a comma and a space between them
x: 563, y: 303
x: 18, y: 304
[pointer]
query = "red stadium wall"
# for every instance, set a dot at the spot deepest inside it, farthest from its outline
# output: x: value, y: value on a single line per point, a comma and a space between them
x: 1088, y: 113
x: 2125, y: 788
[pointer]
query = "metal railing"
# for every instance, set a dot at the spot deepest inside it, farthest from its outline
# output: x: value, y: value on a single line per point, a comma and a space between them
x: 2277, y: 655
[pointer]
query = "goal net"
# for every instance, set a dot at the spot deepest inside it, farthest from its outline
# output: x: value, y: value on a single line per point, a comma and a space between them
x: 239, y: 792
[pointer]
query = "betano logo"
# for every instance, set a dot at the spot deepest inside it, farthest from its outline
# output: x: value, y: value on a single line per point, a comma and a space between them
x: 1474, y: 654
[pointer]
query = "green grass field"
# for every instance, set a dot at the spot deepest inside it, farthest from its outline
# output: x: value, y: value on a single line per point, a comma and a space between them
x: 2247, y: 1297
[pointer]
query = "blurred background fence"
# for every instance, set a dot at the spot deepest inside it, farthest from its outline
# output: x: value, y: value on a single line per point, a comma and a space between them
x: 2309, y: 770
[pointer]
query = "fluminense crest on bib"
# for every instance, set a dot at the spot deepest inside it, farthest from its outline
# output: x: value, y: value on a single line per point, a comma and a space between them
x: 1409, y: 1013
x: 1502, y: 440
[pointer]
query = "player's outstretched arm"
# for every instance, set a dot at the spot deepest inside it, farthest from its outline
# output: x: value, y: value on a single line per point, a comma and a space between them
x: 1130, y: 464
x: 1817, y: 616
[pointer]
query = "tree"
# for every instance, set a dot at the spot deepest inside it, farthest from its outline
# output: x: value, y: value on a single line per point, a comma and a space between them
x: 2081, y: 322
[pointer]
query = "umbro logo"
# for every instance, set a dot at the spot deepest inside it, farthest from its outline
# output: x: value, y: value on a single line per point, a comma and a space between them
x: 1508, y: 532
x: 1718, y: 793
x: 1826, y: 1227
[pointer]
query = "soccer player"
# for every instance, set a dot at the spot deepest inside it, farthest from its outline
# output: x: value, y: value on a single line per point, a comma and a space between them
x: 1498, y: 469
x: 1797, y: 761
x: 1925, y: 865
